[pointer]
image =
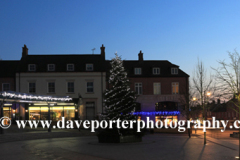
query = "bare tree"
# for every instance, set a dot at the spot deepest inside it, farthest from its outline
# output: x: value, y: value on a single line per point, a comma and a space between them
x: 227, y: 76
x: 204, y: 88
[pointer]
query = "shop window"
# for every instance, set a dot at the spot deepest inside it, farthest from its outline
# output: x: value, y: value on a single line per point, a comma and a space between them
x: 7, y: 113
x: 69, y: 113
x: 34, y: 113
x: 139, y: 118
x: 44, y: 113
x: 5, y: 87
x: 57, y: 113
x: 90, y: 110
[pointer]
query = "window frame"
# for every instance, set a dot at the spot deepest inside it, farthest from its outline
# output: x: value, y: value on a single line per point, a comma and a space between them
x: 87, y: 66
x: 91, y: 87
x: 68, y: 87
x: 29, y: 67
x: 137, y: 85
x: 175, y: 88
x: 29, y: 87
x: 159, y: 88
x: 8, y: 85
x: 156, y: 68
x: 174, y: 70
x: 69, y: 65
x: 54, y: 87
x: 138, y: 69
x: 53, y: 69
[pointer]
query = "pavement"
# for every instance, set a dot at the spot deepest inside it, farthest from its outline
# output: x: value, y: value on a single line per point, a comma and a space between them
x: 74, y: 144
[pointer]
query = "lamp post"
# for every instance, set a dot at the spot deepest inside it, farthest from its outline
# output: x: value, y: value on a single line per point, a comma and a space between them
x: 204, y: 114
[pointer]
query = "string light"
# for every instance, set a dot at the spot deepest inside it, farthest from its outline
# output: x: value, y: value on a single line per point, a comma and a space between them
x: 157, y: 113
x: 24, y: 96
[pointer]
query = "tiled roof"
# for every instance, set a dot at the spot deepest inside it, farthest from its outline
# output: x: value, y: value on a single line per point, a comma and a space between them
x: 8, y: 68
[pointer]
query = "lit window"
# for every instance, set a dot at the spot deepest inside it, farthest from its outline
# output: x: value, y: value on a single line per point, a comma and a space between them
x: 156, y: 70
x: 32, y: 87
x: 31, y: 67
x: 156, y: 88
x: 138, y: 88
x: 70, y: 67
x: 51, y: 67
x: 5, y: 87
x: 89, y: 67
x: 51, y: 87
x: 174, y: 70
x: 70, y: 86
x: 138, y: 70
x: 89, y: 87
x: 175, y: 88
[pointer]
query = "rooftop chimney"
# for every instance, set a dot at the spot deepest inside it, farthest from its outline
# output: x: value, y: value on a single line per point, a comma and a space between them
x: 140, y: 56
x: 102, y: 51
x: 24, y: 51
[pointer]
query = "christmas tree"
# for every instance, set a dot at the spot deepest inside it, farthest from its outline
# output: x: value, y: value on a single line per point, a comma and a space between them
x: 119, y: 99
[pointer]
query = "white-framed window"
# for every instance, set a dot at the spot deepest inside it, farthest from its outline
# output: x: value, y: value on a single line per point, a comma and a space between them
x: 156, y: 70
x: 32, y: 67
x: 51, y: 67
x: 51, y: 87
x: 137, y: 70
x: 70, y: 67
x: 70, y: 87
x: 156, y: 88
x: 138, y: 88
x: 90, y: 110
x: 174, y: 70
x: 32, y: 87
x: 89, y: 67
x: 6, y: 87
x: 90, y: 87
x: 175, y: 88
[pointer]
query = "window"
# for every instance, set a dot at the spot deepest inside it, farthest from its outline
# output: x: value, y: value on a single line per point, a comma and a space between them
x: 175, y: 88
x: 51, y: 67
x: 156, y: 70
x: 89, y: 87
x: 174, y: 70
x: 70, y: 87
x: 31, y: 67
x: 32, y: 87
x: 70, y: 67
x: 138, y: 88
x: 5, y: 87
x: 89, y: 67
x: 156, y: 88
x: 51, y: 87
x: 90, y: 110
x: 138, y: 70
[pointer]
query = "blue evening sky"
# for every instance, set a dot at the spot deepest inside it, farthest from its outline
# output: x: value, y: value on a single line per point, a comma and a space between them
x: 174, y: 30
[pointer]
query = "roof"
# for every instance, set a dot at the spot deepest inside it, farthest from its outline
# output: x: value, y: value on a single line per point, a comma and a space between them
x: 147, y: 66
x: 61, y: 61
x: 8, y: 68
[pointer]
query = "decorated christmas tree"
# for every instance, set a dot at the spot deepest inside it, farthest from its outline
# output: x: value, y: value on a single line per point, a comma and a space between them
x: 119, y: 99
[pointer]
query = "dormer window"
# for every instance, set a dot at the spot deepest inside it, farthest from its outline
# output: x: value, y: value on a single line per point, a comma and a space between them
x: 51, y: 67
x: 156, y: 70
x: 31, y: 67
x: 174, y: 70
x: 89, y: 67
x: 70, y: 67
x: 138, y: 71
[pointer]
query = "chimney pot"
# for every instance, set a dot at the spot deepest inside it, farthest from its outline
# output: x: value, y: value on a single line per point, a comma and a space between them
x: 102, y: 51
x: 140, y: 56
x: 24, y: 51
